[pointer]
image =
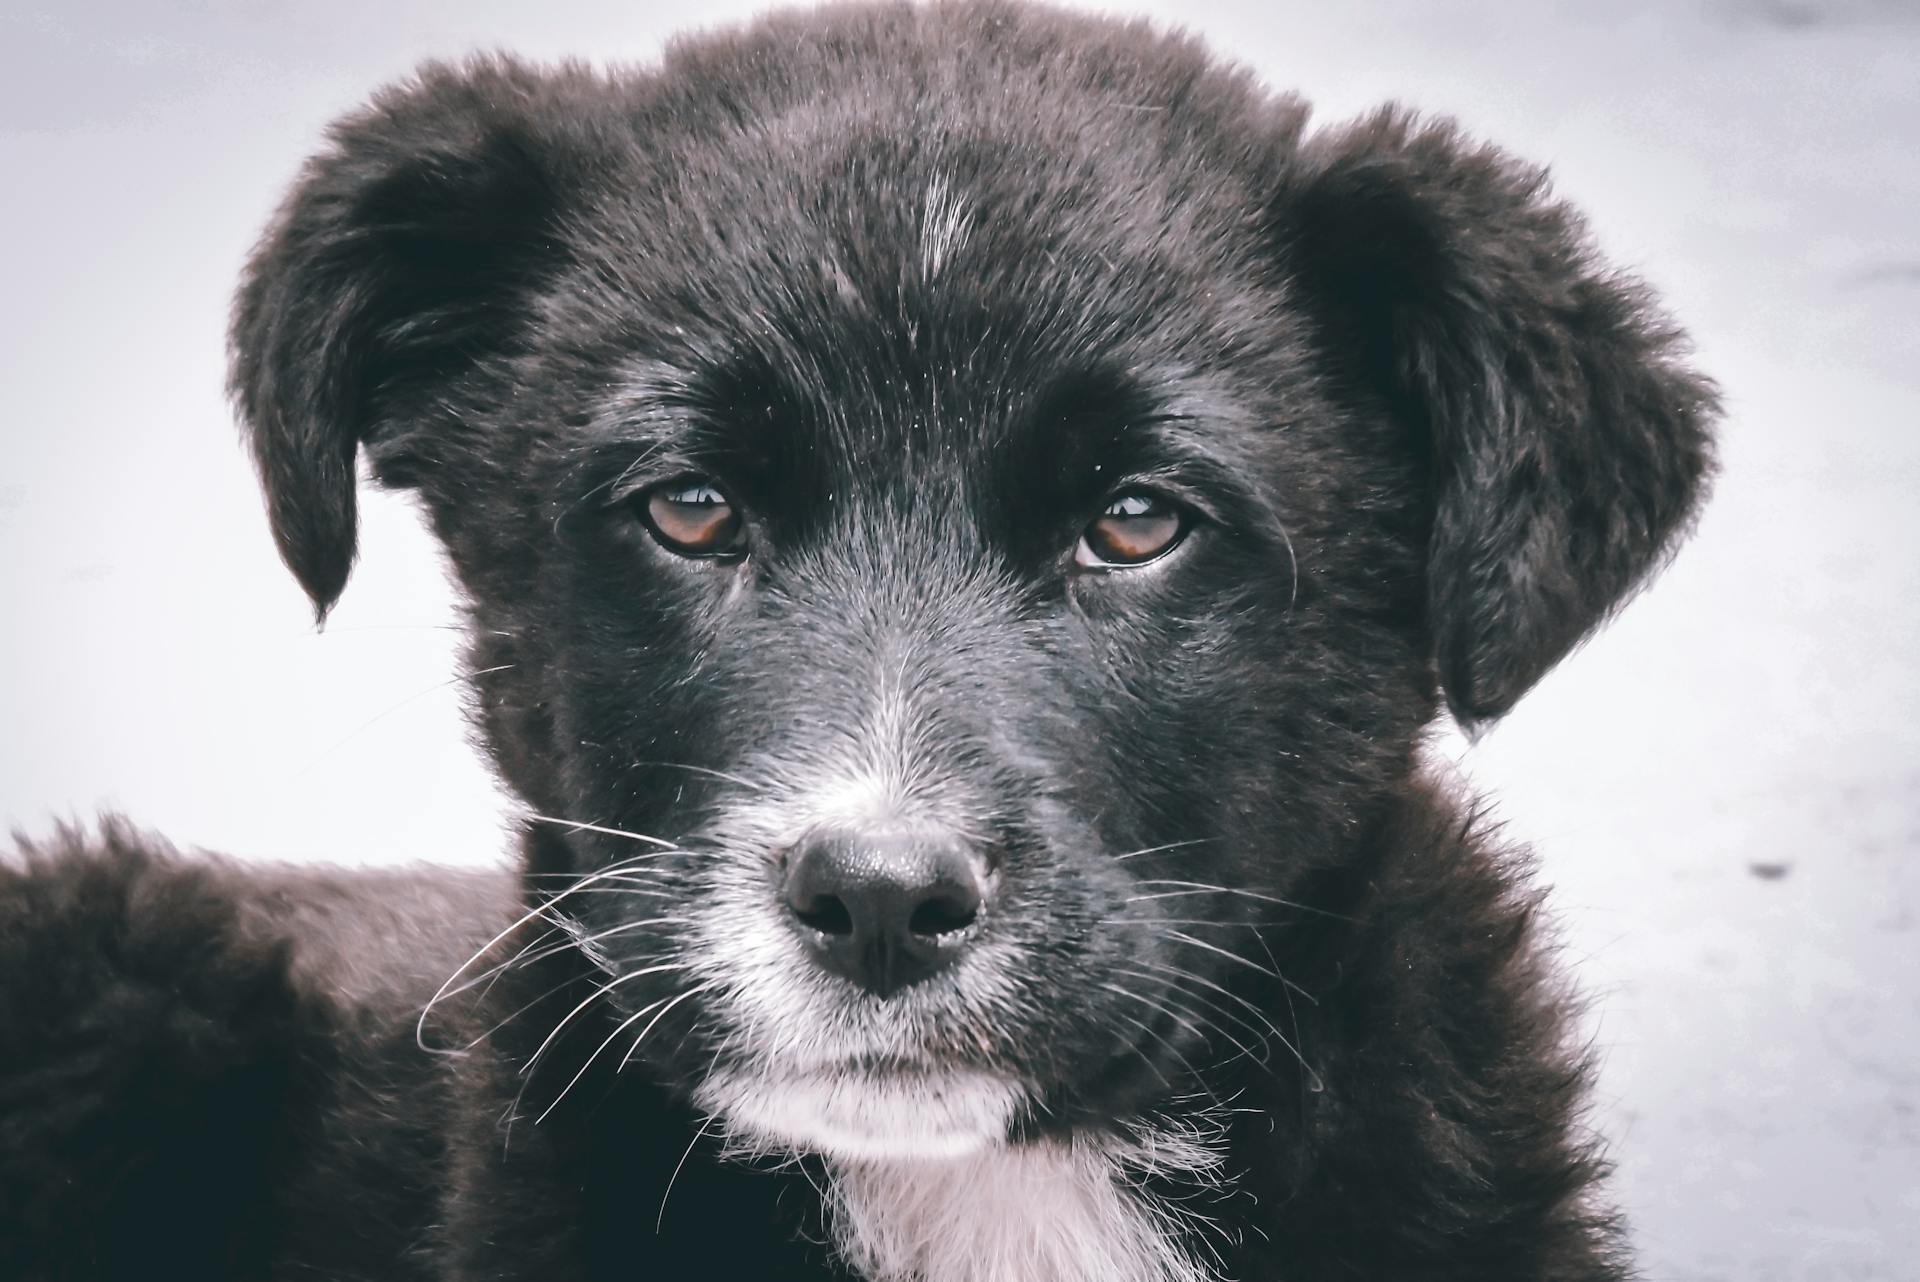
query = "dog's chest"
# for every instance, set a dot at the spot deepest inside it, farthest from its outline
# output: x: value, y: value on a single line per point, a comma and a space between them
x: 1071, y: 1213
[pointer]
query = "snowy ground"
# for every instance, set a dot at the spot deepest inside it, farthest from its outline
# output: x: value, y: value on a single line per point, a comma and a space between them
x: 1725, y: 787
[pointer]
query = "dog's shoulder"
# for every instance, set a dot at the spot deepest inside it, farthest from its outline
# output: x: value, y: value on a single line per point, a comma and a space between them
x: 1436, y: 987
x: 116, y: 913
x: 376, y: 943
x: 148, y: 1042
x: 116, y: 936
x: 176, y: 1029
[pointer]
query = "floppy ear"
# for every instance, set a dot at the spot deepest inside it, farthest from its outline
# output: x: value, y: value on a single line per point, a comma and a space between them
x: 403, y: 257
x: 1566, y: 443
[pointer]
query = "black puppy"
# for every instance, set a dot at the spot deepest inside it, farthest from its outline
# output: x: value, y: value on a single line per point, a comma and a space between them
x: 965, y: 512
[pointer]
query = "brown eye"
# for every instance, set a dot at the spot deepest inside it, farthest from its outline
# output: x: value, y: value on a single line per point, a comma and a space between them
x: 693, y: 518
x: 1133, y: 530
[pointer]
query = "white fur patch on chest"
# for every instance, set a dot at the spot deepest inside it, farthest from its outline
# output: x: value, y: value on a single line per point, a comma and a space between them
x: 1072, y: 1211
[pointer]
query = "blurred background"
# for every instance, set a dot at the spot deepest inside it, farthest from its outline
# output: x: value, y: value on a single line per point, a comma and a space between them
x: 1724, y: 787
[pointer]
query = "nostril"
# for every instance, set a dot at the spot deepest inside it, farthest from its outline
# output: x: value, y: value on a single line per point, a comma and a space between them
x: 887, y: 909
x: 827, y: 914
x: 944, y: 914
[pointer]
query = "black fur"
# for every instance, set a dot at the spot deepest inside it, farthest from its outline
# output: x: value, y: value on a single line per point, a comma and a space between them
x: 923, y: 288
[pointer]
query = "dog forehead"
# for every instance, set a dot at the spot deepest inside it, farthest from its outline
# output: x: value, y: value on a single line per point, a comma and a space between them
x: 864, y: 222
x: 917, y: 304
x: 877, y: 275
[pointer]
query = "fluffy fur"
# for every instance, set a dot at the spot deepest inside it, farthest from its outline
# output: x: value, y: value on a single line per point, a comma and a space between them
x: 921, y: 293
x: 1072, y: 1211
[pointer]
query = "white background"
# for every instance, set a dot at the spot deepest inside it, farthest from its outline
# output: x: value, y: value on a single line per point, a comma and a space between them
x: 1759, y: 160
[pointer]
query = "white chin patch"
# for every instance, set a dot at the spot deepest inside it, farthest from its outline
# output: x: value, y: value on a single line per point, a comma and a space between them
x: 859, y: 1116
x: 922, y: 1185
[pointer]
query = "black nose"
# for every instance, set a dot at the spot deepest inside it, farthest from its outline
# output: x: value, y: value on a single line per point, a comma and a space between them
x: 885, y: 910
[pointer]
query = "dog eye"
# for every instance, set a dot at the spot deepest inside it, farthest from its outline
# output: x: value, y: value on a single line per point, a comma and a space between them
x: 694, y: 518
x: 1136, y: 528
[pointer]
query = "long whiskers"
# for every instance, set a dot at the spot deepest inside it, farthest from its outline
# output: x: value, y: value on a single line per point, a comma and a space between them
x: 603, y: 991
x: 1210, y: 1025
x: 706, y: 1125
x: 1155, y: 850
x: 581, y: 825
x: 1203, y: 888
x: 1147, y: 1029
x: 551, y: 950
x: 631, y: 868
x: 706, y: 770
x: 1156, y: 922
x: 659, y: 1010
x: 545, y: 910
x: 1120, y: 990
x: 1261, y: 1024
x: 1227, y: 953
x: 1272, y: 972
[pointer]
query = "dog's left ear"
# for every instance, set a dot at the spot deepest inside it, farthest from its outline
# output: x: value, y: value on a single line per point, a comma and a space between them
x: 1566, y: 443
x: 404, y: 258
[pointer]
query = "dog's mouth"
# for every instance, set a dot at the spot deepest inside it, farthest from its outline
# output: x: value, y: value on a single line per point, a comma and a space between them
x: 864, y: 1111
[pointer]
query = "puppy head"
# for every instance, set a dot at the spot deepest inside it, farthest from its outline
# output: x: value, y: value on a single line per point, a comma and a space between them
x: 980, y: 505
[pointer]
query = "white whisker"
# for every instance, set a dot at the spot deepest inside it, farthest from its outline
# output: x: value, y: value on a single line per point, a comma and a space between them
x: 1154, y: 850
x: 662, y: 1006
x: 541, y: 910
x: 1203, y: 888
x: 705, y: 770
x: 661, y: 1218
x: 1227, y: 953
x: 580, y: 825
x: 597, y: 994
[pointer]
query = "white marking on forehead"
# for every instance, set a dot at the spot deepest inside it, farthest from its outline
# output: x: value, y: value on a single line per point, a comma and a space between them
x: 943, y: 226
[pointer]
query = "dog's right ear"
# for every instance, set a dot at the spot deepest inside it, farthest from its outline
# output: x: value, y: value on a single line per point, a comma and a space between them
x: 1567, y: 442
x: 405, y: 256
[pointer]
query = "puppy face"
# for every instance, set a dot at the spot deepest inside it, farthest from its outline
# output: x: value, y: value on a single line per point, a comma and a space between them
x: 929, y: 533
x: 966, y: 513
